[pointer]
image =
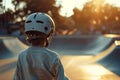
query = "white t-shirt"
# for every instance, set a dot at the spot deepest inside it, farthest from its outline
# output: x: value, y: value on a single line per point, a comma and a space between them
x: 37, y: 63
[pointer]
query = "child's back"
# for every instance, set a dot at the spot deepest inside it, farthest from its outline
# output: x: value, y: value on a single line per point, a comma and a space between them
x: 37, y: 62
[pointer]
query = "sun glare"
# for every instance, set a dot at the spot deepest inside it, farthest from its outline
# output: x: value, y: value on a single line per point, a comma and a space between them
x: 113, y: 2
x: 8, y: 4
x: 69, y: 5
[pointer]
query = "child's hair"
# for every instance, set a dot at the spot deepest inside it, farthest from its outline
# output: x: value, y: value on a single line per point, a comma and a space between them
x: 36, y: 38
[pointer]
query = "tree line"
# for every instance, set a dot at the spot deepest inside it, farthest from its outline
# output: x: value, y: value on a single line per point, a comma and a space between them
x: 91, y: 19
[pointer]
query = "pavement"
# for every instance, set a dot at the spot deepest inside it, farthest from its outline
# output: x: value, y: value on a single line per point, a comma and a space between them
x: 100, y: 65
x: 84, y: 71
x: 73, y: 69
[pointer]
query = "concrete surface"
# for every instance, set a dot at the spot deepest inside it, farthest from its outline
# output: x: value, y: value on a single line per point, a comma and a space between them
x: 102, y: 63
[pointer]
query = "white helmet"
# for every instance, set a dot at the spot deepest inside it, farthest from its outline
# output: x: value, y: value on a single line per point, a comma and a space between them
x: 40, y: 22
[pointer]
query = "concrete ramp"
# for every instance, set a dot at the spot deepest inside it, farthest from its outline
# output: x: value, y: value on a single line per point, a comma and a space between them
x: 10, y: 47
x: 88, y: 59
x: 77, y: 45
x: 112, y: 61
x: 64, y: 45
x: 4, y: 51
x: 109, y: 58
x: 15, y: 45
x: 104, y: 51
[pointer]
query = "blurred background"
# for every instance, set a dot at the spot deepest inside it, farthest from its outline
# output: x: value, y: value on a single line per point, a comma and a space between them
x: 72, y: 17
x: 87, y: 36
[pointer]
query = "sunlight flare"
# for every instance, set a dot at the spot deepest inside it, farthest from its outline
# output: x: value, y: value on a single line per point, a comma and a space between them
x: 69, y: 5
x: 113, y: 2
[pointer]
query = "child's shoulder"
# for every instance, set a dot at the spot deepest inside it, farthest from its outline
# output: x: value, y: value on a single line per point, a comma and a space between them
x: 22, y: 53
x: 52, y: 53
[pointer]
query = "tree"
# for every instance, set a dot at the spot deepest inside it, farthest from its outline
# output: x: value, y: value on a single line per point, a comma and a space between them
x: 25, y: 7
x: 98, y: 16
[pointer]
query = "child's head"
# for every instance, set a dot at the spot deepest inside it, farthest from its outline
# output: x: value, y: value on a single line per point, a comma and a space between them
x: 39, y: 29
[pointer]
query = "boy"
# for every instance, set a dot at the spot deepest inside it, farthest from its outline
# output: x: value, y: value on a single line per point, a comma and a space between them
x: 37, y: 62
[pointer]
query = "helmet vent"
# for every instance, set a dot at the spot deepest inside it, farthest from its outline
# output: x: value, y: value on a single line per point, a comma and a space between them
x: 33, y: 28
x: 38, y: 21
x: 46, y: 28
x: 35, y: 16
x: 28, y: 21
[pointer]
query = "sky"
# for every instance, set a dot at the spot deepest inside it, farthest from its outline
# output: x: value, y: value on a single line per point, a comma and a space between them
x: 8, y: 4
x: 68, y: 5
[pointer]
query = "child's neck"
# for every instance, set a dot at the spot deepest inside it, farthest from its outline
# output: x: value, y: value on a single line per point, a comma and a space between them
x: 40, y: 44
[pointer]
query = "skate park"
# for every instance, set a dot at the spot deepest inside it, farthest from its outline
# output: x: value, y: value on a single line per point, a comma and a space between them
x: 87, y: 36
x: 84, y: 57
